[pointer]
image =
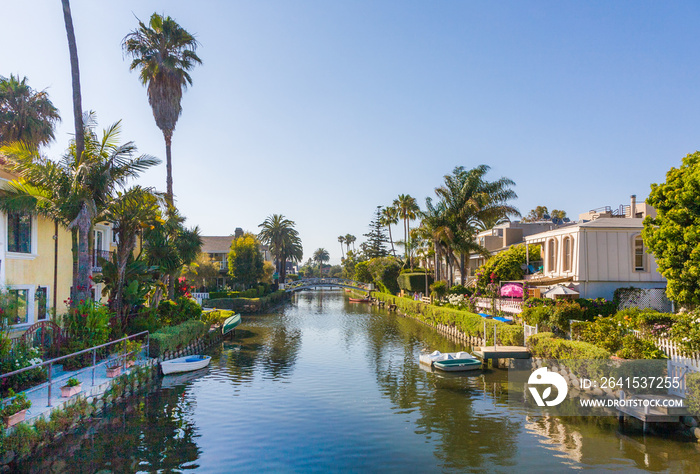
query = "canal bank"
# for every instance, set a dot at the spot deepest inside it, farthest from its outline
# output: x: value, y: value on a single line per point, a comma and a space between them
x: 326, y: 385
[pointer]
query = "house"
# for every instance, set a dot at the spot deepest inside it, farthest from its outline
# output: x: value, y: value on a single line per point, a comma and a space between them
x: 218, y: 247
x: 600, y: 253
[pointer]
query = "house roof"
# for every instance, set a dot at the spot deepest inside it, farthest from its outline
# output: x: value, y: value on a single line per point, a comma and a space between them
x: 216, y: 244
x: 615, y: 223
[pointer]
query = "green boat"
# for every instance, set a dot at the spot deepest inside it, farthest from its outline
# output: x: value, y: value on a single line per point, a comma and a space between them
x: 457, y: 365
x: 231, y: 323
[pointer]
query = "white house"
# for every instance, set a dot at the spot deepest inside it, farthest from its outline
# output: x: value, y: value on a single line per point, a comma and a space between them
x: 600, y: 255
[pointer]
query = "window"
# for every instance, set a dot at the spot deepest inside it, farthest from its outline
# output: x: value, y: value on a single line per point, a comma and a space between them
x: 552, y: 255
x: 18, y: 309
x: 42, y: 298
x: 567, y: 254
x: 639, y: 254
x: 19, y: 232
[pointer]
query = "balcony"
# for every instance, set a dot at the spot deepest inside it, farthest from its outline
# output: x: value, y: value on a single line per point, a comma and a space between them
x: 96, y: 256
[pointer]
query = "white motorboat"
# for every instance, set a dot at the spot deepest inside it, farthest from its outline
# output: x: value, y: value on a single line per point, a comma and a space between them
x: 184, y: 364
x: 451, y: 361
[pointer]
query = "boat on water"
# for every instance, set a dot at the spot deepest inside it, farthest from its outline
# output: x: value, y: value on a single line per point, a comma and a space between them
x: 359, y: 300
x: 451, y: 361
x: 182, y: 378
x: 185, y: 364
x: 231, y: 323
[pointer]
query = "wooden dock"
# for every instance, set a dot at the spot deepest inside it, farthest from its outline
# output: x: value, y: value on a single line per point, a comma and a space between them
x: 502, y: 352
x: 654, y: 414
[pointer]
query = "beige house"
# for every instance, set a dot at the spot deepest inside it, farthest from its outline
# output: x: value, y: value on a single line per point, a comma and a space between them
x: 217, y: 247
x: 602, y: 252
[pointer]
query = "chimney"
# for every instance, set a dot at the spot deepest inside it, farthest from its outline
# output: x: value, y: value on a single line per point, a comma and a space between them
x: 633, y: 205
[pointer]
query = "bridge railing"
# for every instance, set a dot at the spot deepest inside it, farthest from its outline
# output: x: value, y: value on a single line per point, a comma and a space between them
x: 311, y: 282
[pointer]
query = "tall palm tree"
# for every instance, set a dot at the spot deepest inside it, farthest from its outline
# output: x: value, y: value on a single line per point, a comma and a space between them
x: 390, y: 215
x: 25, y: 114
x: 408, y: 210
x: 75, y: 81
x: 321, y: 256
x: 350, y: 239
x: 341, y: 239
x: 75, y: 191
x: 164, y: 52
x: 283, y: 239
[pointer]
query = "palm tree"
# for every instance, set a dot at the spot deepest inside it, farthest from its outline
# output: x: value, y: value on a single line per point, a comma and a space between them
x: 283, y: 239
x: 75, y: 192
x: 321, y: 256
x: 130, y: 212
x: 75, y: 79
x: 25, y: 114
x: 350, y: 239
x: 164, y: 52
x: 390, y: 215
x: 408, y: 210
x: 341, y: 239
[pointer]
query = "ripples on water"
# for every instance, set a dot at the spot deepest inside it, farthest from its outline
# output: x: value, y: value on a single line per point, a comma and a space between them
x: 326, y: 385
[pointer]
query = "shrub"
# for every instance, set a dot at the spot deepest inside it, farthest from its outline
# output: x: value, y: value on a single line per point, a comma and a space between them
x: 438, y: 289
x: 385, y: 273
x: 145, y: 320
x: 459, y: 290
x: 692, y: 384
x: 539, y: 315
x: 176, y: 337
x: 535, y: 302
x: 362, y: 273
x: 413, y: 282
x: 546, y: 346
x: 18, y: 358
x: 635, y: 348
x: 596, y: 307
x: 469, y: 323
x: 505, y: 266
x: 606, y: 333
x: 563, y: 312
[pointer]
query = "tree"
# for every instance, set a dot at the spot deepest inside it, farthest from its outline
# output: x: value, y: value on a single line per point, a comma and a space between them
x: 376, y: 238
x: 163, y: 52
x: 673, y: 236
x: 75, y: 80
x: 25, y: 115
x: 408, y: 210
x: 341, y: 240
x: 321, y: 256
x: 283, y: 239
x: 245, y: 262
x: 202, y: 272
x: 537, y: 214
x: 505, y: 266
x: 390, y: 215
x: 350, y: 239
x: 558, y: 214
x: 75, y: 192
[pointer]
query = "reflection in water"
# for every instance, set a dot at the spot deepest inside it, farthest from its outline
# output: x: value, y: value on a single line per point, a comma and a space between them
x: 325, y: 385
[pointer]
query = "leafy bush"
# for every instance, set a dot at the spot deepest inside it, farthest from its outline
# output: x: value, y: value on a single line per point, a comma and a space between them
x: 686, y: 331
x: 217, y: 316
x: 413, y: 281
x: 86, y: 325
x: 563, y: 312
x: 362, y: 272
x: 385, y: 273
x: 539, y: 315
x: 438, y: 289
x: 176, y: 337
x: 635, y: 348
x: 596, y: 307
x: 692, y: 385
x: 469, y: 323
x: 536, y: 302
x: 172, y: 313
x: 18, y: 358
x: 145, y: 320
x: 606, y: 333
x: 505, y: 266
x: 459, y: 290
x: 546, y: 346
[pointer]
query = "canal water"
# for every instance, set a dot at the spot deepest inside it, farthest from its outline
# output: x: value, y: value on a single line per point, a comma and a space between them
x: 324, y: 385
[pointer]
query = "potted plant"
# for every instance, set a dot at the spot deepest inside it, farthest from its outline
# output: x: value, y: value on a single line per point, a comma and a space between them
x: 16, y: 410
x: 114, y: 368
x: 72, y: 387
x: 132, y: 350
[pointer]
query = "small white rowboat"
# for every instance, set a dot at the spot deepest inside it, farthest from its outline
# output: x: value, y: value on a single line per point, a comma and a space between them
x: 184, y: 364
x: 451, y: 362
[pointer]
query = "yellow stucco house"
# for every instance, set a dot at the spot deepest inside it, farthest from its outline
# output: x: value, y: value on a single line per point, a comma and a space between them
x: 36, y: 264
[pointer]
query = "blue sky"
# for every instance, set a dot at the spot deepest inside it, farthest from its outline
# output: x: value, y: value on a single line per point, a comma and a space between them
x: 323, y: 110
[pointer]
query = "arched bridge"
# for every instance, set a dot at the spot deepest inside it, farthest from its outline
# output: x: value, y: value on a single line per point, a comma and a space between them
x: 311, y: 283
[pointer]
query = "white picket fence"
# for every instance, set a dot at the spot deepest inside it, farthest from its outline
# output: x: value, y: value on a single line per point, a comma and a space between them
x: 679, y: 362
x: 529, y: 330
x: 200, y: 297
x: 502, y: 304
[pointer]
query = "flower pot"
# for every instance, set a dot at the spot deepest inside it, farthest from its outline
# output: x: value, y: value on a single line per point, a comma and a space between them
x: 67, y: 392
x: 114, y: 371
x: 16, y: 418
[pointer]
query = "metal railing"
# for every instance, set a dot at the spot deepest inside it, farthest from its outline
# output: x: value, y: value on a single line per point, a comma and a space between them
x: 121, y: 358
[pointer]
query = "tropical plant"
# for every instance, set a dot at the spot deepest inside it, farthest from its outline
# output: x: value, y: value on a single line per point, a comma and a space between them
x: 321, y: 256
x: 283, y: 239
x: 25, y: 115
x: 390, y: 215
x: 341, y: 240
x: 163, y: 52
x: 350, y: 239
x: 75, y: 81
x: 75, y: 192
x: 407, y: 209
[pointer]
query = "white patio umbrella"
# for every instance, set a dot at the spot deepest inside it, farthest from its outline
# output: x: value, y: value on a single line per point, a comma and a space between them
x: 561, y: 292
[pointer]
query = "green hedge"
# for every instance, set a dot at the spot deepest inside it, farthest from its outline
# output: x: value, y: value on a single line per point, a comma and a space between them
x: 240, y: 304
x: 176, y: 337
x: 546, y: 346
x: 692, y: 383
x: 252, y: 293
x: 469, y: 323
x: 414, y: 281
